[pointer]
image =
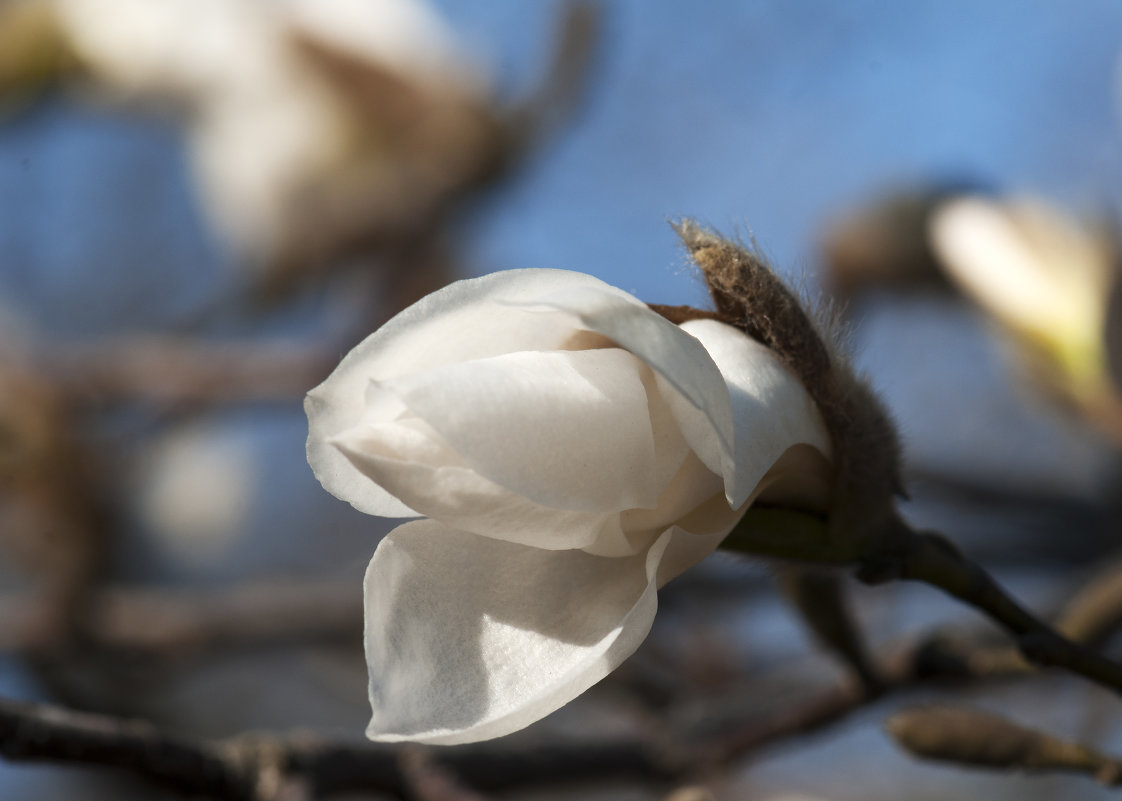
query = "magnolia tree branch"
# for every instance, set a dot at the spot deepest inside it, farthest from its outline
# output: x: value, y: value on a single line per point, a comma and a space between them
x: 258, y: 768
x: 933, y: 560
x: 917, y: 664
x: 173, y: 621
x: 177, y: 621
x: 33, y: 732
x: 158, y: 620
x: 182, y: 371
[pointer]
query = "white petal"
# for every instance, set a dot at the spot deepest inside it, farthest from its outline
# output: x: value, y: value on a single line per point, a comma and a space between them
x: 469, y: 638
x: 692, y: 486
x: 671, y: 447
x: 328, y: 416
x: 469, y: 319
x: 411, y: 461
x: 772, y: 409
x: 695, y: 503
x: 685, y: 549
x: 566, y: 429
x: 689, y: 381
x: 801, y: 477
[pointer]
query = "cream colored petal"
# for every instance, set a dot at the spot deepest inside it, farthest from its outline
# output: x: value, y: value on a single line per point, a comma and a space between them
x: 688, y: 380
x: 693, y: 485
x: 565, y: 429
x: 801, y: 477
x: 469, y: 319
x: 771, y: 408
x: 684, y: 549
x: 469, y: 638
x: 414, y: 463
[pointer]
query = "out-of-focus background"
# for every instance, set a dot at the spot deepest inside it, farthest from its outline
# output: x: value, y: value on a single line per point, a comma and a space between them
x: 198, y: 216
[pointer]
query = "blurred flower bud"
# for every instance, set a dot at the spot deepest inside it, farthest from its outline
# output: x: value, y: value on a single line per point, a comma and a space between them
x: 1045, y: 280
x: 318, y: 128
x: 885, y: 244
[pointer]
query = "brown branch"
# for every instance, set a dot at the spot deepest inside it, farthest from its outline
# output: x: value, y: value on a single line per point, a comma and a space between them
x: 823, y: 605
x: 897, y: 553
x: 33, y: 732
x: 563, y: 86
x: 1090, y: 616
x: 815, y: 711
x: 939, y: 659
x: 173, y: 622
x: 178, y: 622
x: 53, y: 516
x: 933, y: 560
x: 173, y: 371
x: 257, y: 768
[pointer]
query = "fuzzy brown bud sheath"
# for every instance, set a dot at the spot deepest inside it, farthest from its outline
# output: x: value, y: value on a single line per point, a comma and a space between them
x: 749, y: 295
x: 861, y: 526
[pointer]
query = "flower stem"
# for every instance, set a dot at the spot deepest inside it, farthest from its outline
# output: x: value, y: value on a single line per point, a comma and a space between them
x: 926, y: 557
x: 933, y: 560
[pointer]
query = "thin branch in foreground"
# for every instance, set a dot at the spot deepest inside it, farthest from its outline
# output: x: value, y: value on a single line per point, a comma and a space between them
x: 33, y: 732
x: 933, y: 560
x: 901, y: 553
x: 260, y: 767
x: 253, y: 767
x: 257, y: 768
x: 942, y: 659
x: 821, y: 601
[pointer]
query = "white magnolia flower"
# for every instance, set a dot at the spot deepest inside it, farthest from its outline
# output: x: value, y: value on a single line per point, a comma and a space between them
x: 1040, y: 276
x: 573, y: 451
x: 272, y: 136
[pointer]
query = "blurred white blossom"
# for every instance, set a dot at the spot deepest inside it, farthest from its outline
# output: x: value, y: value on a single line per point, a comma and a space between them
x: 196, y: 492
x: 573, y: 451
x: 294, y: 107
x: 1039, y: 275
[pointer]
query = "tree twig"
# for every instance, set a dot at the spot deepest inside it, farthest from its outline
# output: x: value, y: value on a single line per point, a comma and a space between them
x: 174, y: 622
x: 933, y: 560
x: 33, y: 732
x: 177, y: 371
x: 901, y: 553
x: 254, y: 768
